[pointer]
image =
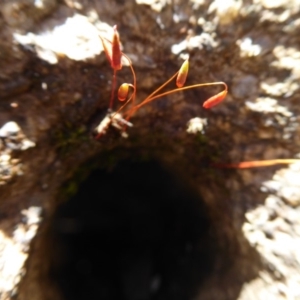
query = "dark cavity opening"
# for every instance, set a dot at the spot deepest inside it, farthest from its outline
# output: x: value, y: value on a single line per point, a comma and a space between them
x: 135, y: 233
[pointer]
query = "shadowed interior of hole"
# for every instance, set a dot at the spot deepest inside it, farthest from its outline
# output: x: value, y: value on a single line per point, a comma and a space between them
x: 135, y: 233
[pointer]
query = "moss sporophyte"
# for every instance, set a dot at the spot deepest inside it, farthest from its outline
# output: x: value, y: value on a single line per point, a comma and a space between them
x: 127, y: 95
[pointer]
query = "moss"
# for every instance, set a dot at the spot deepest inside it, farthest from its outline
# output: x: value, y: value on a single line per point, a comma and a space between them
x: 68, y: 137
x: 206, y: 149
x: 70, y: 189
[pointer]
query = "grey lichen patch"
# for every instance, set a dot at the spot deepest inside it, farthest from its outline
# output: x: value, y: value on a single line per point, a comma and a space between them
x: 196, y: 125
x: 14, y: 250
x: 12, y: 261
x: 226, y: 12
x: 274, y: 229
x: 12, y: 139
x: 82, y: 34
x: 288, y: 58
x: 287, y: 10
x: 27, y: 229
x: 156, y: 5
x: 269, y: 105
x: 286, y: 185
x: 248, y: 47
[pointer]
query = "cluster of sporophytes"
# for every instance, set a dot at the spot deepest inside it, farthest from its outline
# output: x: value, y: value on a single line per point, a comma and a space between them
x: 127, y: 96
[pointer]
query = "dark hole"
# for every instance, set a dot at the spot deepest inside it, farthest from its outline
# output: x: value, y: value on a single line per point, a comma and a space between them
x: 134, y: 233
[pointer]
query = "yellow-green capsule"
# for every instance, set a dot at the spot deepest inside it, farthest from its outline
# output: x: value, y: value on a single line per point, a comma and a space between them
x: 182, y: 74
x: 123, y: 91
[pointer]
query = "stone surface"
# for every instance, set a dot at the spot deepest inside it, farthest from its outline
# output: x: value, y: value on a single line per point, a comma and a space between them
x: 54, y: 91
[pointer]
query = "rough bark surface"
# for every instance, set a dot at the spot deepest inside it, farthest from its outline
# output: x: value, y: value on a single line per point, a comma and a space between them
x: 197, y: 231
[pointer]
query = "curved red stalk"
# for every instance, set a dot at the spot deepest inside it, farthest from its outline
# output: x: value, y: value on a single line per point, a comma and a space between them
x: 152, y: 97
x: 134, y: 77
x: 257, y: 163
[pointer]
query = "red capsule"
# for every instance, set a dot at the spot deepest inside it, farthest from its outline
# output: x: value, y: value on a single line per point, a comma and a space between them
x: 214, y: 100
x: 116, y: 63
